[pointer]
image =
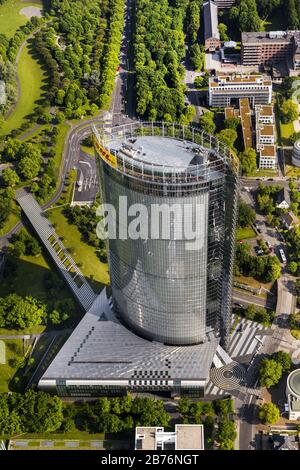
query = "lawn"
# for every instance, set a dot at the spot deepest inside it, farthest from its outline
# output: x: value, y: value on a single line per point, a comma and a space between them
x: 14, y: 354
x: 84, y: 255
x: 28, y: 278
x: 59, y: 147
x: 31, y: 79
x: 12, y: 220
x: 10, y: 17
x: 245, y: 233
x: 286, y: 131
x: 88, y: 150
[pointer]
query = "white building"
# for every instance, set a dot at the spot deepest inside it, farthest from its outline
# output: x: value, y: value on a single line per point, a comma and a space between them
x: 293, y: 395
x: 227, y: 90
x: 266, y: 137
x: 296, y: 154
x: 185, y: 437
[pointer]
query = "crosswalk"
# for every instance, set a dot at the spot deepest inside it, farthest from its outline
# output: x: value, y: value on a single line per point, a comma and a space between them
x: 247, y: 337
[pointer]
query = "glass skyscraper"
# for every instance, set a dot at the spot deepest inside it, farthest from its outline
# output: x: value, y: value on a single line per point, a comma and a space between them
x: 174, y: 287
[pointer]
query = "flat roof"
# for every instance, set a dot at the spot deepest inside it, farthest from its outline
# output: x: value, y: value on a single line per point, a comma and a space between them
x: 189, y: 436
x: 245, y: 113
x: 294, y: 382
x: 268, y: 151
x: 267, y: 130
x: 240, y: 79
x: 229, y: 113
x: 185, y: 437
x: 259, y: 37
x: 148, y: 439
x: 265, y: 110
x: 157, y: 150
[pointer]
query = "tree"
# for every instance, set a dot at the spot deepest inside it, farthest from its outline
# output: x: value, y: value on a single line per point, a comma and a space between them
x: 29, y: 168
x: 228, y: 137
x: 270, y: 372
x: 288, y: 111
x: 245, y: 14
x: 223, y: 32
x: 269, y: 413
x: 41, y: 412
x: 183, y: 406
x: 10, y: 177
x: 206, y: 121
x: 293, y: 267
x: 248, y: 161
x: 247, y: 215
x: 18, y: 312
x: 284, y: 359
x: 292, y: 15
x: 226, y: 434
x: 232, y: 123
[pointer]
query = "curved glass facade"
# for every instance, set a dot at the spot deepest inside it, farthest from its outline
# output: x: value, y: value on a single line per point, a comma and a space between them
x: 171, y: 289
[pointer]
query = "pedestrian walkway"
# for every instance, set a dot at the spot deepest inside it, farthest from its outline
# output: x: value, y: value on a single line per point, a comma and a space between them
x: 247, y: 337
x: 59, y: 254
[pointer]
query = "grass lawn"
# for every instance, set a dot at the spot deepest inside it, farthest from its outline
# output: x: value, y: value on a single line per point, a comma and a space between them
x: 245, y: 233
x: 263, y: 174
x: 88, y: 150
x: 28, y: 278
x: 31, y: 79
x: 290, y: 170
x: 10, y: 17
x: 63, y: 129
x: 84, y: 255
x: 295, y: 333
x: 13, y: 352
x: 12, y: 220
x: 250, y: 281
x: 286, y: 131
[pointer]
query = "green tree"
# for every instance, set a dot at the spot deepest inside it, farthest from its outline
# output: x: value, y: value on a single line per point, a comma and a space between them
x: 41, y: 412
x: 247, y: 215
x: 270, y: 372
x: 288, y: 111
x: 223, y: 32
x: 10, y: 177
x: 269, y: 413
x: 248, y: 161
x: 228, y: 137
x: 293, y: 267
x: 226, y: 434
x: 284, y: 359
x: 206, y: 121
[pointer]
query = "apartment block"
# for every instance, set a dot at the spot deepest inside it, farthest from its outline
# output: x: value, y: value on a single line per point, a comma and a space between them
x: 227, y: 90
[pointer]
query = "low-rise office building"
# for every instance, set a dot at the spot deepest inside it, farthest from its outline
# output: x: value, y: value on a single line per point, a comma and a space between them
x: 185, y: 437
x: 272, y: 47
x: 227, y: 90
